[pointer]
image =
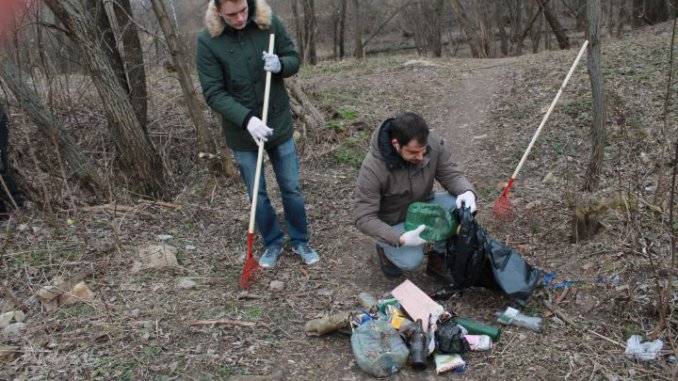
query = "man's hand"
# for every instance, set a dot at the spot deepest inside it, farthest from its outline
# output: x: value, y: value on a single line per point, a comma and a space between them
x: 467, y: 200
x: 271, y: 62
x: 412, y: 238
x: 259, y: 131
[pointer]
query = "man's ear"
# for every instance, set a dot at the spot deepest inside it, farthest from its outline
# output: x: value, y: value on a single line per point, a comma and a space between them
x: 395, y: 144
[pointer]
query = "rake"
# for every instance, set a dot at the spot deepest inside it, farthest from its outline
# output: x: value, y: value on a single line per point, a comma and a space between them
x: 502, y: 208
x: 251, y: 264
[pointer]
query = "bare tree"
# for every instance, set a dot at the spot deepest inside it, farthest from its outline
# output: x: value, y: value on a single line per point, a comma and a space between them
x: 649, y: 12
x: 342, y: 29
x: 554, y: 23
x: 358, y: 51
x: 593, y: 15
x: 136, y: 152
x: 205, y: 139
x: 83, y: 168
x: 475, y: 32
x: 310, y: 56
x: 133, y: 59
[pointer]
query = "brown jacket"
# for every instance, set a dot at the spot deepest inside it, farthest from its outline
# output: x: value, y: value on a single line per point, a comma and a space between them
x: 387, y: 184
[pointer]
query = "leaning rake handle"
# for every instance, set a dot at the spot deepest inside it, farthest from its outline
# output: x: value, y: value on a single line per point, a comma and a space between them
x: 251, y: 264
x: 503, y: 198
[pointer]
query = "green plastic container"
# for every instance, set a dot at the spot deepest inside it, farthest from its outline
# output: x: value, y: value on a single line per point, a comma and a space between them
x: 440, y: 224
x: 476, y: 328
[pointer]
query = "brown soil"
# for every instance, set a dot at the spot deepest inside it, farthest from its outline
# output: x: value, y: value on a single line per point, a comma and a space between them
x: 139, y: 325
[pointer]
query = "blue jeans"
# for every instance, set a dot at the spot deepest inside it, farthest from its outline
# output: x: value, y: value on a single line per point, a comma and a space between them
x: 286, y: 167
x: 408, y: 258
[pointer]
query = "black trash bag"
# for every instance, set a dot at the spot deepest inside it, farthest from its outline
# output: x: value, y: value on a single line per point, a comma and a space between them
x: 467, y: 260
x: 450, y: 338
x: 475, y: 259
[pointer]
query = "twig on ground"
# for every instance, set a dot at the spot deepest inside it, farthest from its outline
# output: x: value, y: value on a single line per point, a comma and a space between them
x: 160, y: 203
x: 561, y: 315
x: 606, y: 338
x: 238, y: 323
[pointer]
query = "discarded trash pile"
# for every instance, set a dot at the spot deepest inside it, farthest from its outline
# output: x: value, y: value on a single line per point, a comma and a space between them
x: 409, y: 328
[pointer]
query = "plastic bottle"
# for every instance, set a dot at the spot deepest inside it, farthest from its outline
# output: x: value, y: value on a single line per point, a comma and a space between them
x: 513, y: 317
x: 367, y: 301
x: 476, y: 328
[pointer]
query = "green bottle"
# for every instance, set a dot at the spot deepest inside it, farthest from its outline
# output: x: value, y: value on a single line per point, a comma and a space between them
x: 476, y: 328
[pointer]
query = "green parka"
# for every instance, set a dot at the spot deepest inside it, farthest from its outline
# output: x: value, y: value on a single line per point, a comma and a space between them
x: 232, y: 74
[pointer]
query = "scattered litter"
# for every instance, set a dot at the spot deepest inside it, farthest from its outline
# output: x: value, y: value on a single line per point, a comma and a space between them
x: 417, y: 304
x: 445, y: 362
x: 327, y: 324
x: 512, y: 316
x: 476, y: 328
x: 187, y: 283
x: 276, y: 285
x: 378, y: 348
x: 636, y: 350
x: 567, y: 283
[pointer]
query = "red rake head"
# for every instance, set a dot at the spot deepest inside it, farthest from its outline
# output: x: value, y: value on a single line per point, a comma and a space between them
x: 251, y: 266
x: 502, y: 209
x: 248, y: 276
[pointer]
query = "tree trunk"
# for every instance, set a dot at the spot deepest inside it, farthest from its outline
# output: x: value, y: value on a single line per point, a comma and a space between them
x: 471, y: 34
x: 358, y: 51
x: 205, y: 140
x: 554, y: 23
x: 299, y: 26
x: 310, y: 31
x: 342, y: 30
x: 593, y: 13
x: 623, y: 18
x: 133, y: 61
x: 502, y: 22
x: 437, y: 29
x: 637, y: 13
x: 136, y: 152
x: 83, y: 168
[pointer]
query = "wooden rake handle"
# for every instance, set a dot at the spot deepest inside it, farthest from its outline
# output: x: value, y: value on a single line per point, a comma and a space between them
x: 548, y: 113
x: 260, y: 154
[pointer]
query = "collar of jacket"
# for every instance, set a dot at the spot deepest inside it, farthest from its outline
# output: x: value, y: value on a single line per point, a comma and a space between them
x: 391, y: 157
x: 259, y: 12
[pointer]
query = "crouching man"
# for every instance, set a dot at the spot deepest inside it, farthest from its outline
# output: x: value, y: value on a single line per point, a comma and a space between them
x: 403, y: 161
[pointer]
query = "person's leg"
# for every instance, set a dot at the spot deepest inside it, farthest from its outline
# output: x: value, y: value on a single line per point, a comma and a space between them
x: 265, y: 217
x: 406, y: 258
x: 286, y: 166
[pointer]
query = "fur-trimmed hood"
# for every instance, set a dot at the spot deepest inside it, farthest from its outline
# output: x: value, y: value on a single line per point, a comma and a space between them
x: 216, y: 25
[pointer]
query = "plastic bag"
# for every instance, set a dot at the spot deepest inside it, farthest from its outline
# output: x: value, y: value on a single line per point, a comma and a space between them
x: 378, y: 348
x: 450, y: 338
x: 475, y: 259
x: 646, y: 351
x: 440, y: 224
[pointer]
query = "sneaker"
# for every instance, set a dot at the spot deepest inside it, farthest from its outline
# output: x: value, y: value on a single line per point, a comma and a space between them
x: 309, y: 255
x: 387, y: 267
x: 270, y: 256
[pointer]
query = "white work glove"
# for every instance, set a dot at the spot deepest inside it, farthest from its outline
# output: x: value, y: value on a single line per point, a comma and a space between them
x: 468, y: 200
x: 259, y: 131
x: 271, y: 62
x: 412, y: 238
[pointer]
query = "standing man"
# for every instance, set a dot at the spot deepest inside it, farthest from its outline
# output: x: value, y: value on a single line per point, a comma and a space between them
x: 403, y: 161
x: 232, y: 62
